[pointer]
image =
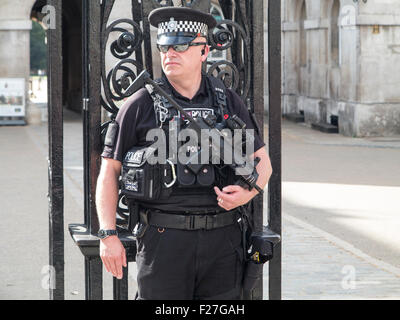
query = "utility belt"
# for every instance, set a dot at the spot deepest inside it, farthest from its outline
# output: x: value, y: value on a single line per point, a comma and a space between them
x: 187, y: 221
x: 141, y: 218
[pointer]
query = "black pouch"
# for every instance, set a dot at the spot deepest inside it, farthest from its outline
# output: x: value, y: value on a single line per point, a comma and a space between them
x: 185, y: 176
x: 206, y: 176
x: 261, y: 249
x: 141, y: 180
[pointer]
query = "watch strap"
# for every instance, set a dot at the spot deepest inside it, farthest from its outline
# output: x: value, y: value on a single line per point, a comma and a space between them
x: 106, y: 233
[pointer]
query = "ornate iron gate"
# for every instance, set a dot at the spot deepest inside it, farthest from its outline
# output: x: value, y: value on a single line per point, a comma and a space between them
x: 240, y: 34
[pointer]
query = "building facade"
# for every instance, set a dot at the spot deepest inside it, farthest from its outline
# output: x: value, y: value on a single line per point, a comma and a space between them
x: 339, y: 64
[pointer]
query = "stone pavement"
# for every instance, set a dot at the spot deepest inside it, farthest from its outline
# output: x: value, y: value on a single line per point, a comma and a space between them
x: 340, y: 215
x: 322, y: 258
x: 317, y: 266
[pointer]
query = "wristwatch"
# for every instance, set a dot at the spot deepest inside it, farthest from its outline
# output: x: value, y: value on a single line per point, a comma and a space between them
x: 102, y: 234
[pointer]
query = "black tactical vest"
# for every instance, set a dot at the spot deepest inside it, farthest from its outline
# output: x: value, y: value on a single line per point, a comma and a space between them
x: 191, y: 193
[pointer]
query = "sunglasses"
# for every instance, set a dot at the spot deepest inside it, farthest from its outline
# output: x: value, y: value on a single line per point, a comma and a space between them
x: 179, y: 47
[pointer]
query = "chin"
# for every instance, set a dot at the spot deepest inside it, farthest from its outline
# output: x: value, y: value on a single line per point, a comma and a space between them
x: 171, y: 73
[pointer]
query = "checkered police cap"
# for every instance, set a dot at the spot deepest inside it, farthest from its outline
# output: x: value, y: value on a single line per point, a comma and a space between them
x: 177, y: 25
x: 183, y: 26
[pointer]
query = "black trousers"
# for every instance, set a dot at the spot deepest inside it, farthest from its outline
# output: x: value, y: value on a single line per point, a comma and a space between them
x: 190, y: 265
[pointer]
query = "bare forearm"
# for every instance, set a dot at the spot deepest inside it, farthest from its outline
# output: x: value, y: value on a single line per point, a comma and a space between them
x: 107, y: 200
x: 264, y: 169
x: 112, y: 252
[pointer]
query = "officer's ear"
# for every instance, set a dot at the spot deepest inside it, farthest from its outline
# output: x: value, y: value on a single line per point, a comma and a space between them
x: 204, y: 53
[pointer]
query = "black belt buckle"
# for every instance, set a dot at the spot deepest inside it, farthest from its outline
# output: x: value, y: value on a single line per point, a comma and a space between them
x: 210, y: 222
x: 200, y: 222
x: 197, y: 222
x: 205, y: 222
x: 190, y: 222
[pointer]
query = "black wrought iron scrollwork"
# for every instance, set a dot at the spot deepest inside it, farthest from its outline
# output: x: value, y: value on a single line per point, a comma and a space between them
x: 122, y: 74
x: 122, y: 83
x: 229, y: 35
x: 222, y: 38
x: 124, y: 46
x: 226, y: 71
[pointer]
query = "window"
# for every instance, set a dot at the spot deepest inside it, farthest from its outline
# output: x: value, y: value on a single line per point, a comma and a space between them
x: 303, y: 36
x: 335, y: 33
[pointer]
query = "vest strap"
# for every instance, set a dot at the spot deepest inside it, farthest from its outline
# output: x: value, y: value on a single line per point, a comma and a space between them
x: 163, y: 108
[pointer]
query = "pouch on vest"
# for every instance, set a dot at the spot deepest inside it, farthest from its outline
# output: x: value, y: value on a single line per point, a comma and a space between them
x: 185, y: 176
x: 141, y: 180
x: 204, y: 177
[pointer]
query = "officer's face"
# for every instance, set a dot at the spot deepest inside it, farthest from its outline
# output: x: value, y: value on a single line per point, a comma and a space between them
x: 184, y: 65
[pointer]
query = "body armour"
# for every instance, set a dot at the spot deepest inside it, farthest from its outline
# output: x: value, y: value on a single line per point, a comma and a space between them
x: 173, y: 187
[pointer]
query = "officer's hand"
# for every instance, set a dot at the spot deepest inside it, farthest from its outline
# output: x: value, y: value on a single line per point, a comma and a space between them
x: 233, y: 196
x: 112, y: 253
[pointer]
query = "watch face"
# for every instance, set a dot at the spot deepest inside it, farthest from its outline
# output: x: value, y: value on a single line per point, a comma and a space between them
x: 102, y: 233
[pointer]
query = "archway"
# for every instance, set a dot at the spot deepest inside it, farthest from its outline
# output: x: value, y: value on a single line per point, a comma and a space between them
x: 72, y: 48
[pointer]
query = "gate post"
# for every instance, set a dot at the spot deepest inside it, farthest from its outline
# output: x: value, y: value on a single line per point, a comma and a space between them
x: 55, y: 160
x: 275, y: 141
x: 91, y: 73
x: 257, y: 104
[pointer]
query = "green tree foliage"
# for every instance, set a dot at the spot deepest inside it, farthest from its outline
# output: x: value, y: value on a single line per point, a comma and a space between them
x: 38, y: 48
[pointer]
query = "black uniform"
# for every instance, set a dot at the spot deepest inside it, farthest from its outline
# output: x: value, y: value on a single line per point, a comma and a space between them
x: 188, y: 262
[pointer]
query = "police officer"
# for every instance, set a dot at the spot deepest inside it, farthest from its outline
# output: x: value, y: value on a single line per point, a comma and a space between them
x: 179, y: 255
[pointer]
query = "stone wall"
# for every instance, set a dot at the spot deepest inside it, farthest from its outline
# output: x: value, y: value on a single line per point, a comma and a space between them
x: 351, y: 76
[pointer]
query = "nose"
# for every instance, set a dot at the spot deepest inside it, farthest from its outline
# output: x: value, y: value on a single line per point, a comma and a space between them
x: 170, y: 51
